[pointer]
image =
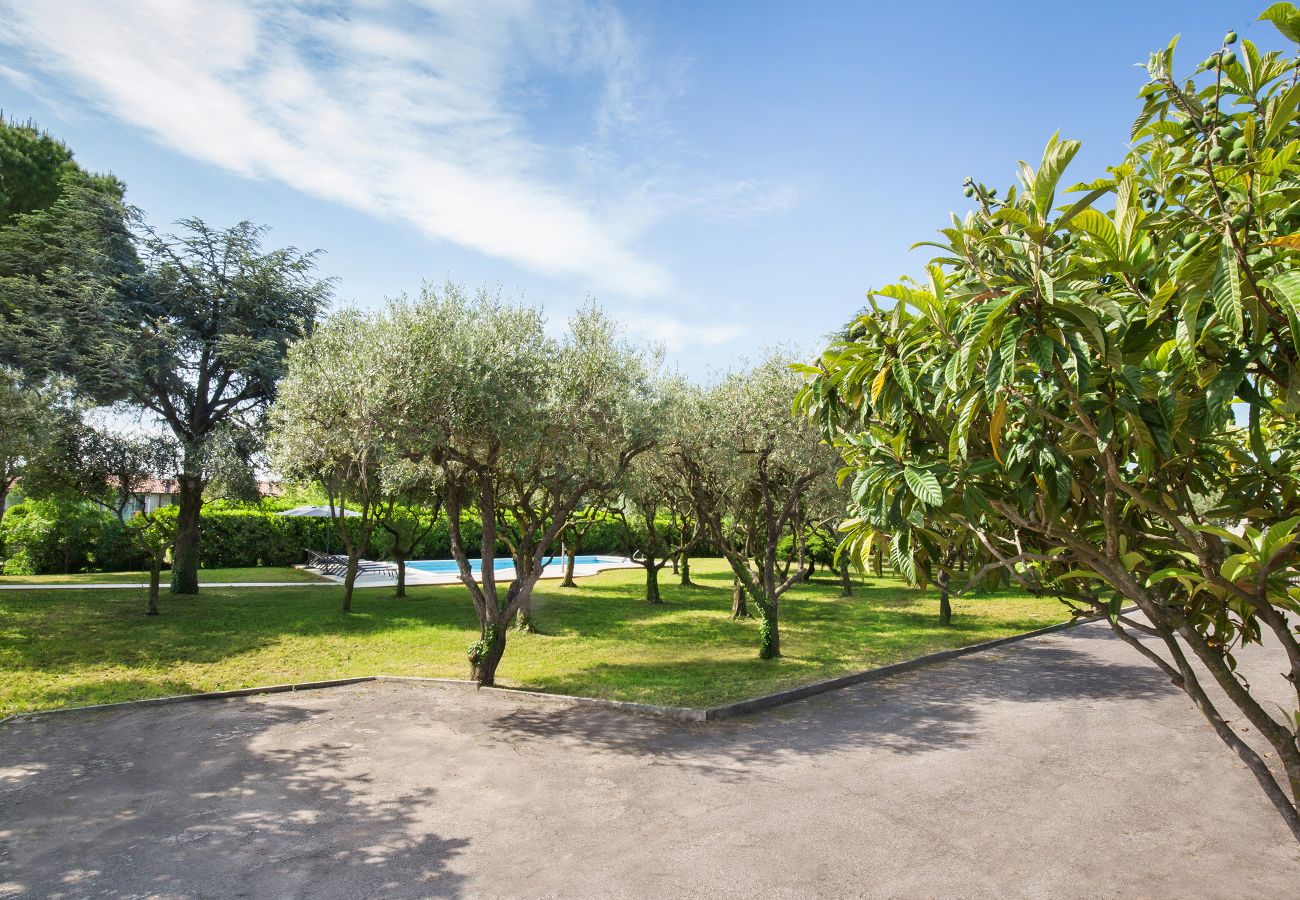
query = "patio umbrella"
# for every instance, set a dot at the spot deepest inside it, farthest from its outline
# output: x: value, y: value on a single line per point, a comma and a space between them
x: 318, y: 512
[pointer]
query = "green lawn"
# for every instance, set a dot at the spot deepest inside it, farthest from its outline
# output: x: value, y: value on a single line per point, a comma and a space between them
x: 206, y: 576
x: 67, y: 648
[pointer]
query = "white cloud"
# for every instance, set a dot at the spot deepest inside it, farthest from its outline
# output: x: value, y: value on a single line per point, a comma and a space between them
x: 676, y: 335
x: 416, y: 110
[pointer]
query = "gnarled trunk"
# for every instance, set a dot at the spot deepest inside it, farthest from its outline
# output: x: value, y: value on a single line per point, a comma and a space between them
x: 400, y: 558
x: 652, y: 582
x: 739, y: 606
x: 350, y: 579
x: 570, y: 560
x: 846, y: 582
x: 485, y: 655
x: 155, y: 580
x: 684, y: 570
x: 185, y: 552
x: 769, y: 632
x: 524, y: 617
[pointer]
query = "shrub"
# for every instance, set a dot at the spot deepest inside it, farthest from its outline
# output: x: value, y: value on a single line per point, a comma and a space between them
x: 117, y: 549
x: 49, y: 536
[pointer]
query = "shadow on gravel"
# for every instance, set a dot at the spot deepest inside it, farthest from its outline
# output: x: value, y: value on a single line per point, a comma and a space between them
x: 931, y: 709
x: 212, y: 816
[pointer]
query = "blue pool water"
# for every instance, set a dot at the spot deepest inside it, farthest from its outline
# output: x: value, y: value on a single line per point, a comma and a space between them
x: 449, y: 565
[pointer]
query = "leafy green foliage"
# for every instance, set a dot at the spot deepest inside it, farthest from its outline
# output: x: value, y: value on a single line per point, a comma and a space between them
x: 1104, y: 397
x: 46, y: 536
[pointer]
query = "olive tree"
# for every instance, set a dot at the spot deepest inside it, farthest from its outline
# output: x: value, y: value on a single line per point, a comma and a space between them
x: 524, y: 427
x: 589, y: 512
x: 332, y: 423
x: 820, y: 513
x: 408, y: 509
x: 1101, y: 390
x: 652, y: 537
x: 748, y: 464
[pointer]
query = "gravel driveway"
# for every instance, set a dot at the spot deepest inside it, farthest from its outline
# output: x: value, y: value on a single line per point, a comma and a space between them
x: 1060, y: 766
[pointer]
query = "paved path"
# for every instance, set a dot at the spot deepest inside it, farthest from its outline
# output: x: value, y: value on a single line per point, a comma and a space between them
x: 1061, y: 766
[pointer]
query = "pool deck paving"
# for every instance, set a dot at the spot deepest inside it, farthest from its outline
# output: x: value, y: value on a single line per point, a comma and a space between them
x: 1061, y: 766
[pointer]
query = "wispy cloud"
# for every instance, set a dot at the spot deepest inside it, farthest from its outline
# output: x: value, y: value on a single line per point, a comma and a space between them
x: 424, y: 111
x: 676, y: 335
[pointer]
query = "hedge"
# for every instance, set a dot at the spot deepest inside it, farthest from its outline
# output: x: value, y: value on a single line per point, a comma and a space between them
x: 258, y: 537
x: 45, y: 536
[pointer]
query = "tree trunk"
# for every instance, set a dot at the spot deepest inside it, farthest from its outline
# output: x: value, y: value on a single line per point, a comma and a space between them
x: 524, y: 617
x: 739, y: 607
x: 485, y: 656
x: 769, y: 633
x: 846, y: 582
x: 400, y: 558
x: 155, y: 579
x: 945, y: 608
x: 185, y: 552
x: 685, y: 571
x: 350, y: 579
x: 570, y: 560
x: 652, y: 583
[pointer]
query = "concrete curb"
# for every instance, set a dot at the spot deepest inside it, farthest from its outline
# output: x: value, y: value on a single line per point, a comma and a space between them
x: 780, y: 698
x: 684, y: 713
x: 680, y: 713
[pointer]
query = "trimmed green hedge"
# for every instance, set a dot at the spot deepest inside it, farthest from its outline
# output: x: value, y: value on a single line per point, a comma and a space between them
x: 255, y: 536
x: 48, y: 537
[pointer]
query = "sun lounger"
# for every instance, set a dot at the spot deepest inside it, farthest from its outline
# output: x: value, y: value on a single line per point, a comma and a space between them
x: 333, y: 564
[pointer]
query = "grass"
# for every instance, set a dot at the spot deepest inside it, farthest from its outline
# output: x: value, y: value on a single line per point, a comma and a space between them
x: 68, y: 648
x: 287, y: 574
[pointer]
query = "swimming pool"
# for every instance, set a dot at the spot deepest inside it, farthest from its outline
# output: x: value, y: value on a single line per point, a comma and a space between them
x: 449, y: 567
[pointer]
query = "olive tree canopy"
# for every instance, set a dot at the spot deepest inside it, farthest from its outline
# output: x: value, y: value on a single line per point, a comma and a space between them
x: 749, y: 464
x: 332, y: 424
x: 524, y: 426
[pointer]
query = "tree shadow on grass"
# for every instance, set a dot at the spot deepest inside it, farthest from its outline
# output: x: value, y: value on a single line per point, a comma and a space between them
x: 87, y: 628
x: 937, y: 708
x: 178, y: 801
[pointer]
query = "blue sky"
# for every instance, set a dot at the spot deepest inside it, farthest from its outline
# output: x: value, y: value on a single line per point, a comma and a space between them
x: 721, y: 176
